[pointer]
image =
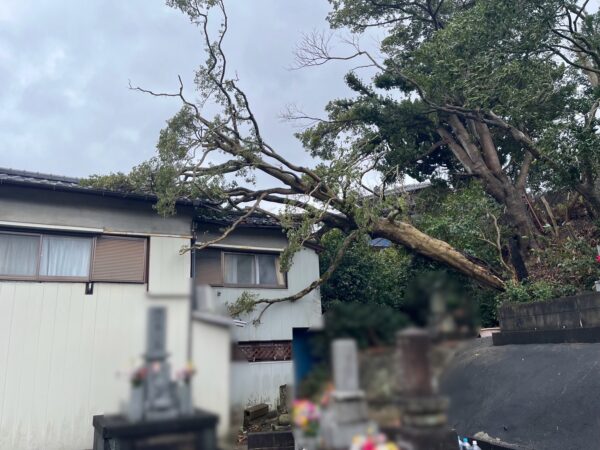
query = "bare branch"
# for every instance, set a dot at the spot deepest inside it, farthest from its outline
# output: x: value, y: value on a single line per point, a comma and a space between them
x: 315, y: 284
x: 227, y: 232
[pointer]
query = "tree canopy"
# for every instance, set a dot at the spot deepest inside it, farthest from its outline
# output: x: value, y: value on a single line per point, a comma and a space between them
x: 500, y: 92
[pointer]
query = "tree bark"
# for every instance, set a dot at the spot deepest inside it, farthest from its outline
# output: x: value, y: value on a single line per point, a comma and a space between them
x: 591, y: 199
x: 518, y: 218
x: 474, y: 148
x: 405, y: 234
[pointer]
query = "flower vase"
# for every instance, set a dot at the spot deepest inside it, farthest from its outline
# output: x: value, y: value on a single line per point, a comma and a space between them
x: 135, y: 408
x: 186, y: 406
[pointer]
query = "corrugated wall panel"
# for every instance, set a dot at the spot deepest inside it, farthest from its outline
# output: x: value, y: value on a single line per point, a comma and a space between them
x: 254, y: 383
x: 169, y: 272
x: 60, y: 354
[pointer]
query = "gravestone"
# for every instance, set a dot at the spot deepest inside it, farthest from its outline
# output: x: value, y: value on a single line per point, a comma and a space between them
x: 346, y: 415
x: 162, y: 424
x: 160, y: 392
x: 424, y: 419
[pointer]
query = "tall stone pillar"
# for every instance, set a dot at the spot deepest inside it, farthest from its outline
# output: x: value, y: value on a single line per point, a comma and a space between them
x: 424, y: 424
x: 346, y: 415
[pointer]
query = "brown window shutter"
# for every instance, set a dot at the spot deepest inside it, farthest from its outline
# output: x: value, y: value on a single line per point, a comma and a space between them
x: 119, y: 259
x: 208, y: 267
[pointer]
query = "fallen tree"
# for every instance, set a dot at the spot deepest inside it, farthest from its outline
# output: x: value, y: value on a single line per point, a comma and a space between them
x: 205, y: 156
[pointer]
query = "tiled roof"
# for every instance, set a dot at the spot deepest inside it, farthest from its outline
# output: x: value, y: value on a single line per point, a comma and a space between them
x: 42, y: 179
x: 63, y: 183
x: 225, y: 218
x: 380, y: 243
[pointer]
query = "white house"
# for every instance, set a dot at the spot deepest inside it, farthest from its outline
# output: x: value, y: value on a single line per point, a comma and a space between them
x: 78, y: 269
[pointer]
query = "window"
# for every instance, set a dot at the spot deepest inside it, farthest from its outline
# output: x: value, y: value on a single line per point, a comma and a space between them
x: 65, y: 256
x: 219, y: 268
x: 247, y: 269
x: 57, y: 257
x: 19, y: 255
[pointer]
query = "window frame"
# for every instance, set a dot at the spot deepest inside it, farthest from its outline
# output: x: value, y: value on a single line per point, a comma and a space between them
x: 59, y: 278
x: 37, y: 262
x: 86, y: 279
x: 255, y: 254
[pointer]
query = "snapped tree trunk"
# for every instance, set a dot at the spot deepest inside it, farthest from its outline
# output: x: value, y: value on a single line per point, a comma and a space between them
x: 405, y: 234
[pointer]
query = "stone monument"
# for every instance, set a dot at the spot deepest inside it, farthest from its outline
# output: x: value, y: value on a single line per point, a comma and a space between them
x: 424, y: 424
x: 346, y: 415
x: 156, y: 417
x: 160, y: 392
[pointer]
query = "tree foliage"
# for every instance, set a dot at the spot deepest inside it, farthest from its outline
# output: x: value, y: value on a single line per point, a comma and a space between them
x: 501, y: 92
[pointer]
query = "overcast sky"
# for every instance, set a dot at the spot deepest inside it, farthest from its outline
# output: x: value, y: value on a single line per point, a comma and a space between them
x: 65, y: 106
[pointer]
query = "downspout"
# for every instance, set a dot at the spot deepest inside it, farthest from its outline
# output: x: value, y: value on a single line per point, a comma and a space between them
x: 192, y: 302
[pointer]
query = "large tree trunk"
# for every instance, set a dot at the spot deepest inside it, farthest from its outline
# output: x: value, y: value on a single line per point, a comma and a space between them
x: 473, y: 146
x: 405, y: 234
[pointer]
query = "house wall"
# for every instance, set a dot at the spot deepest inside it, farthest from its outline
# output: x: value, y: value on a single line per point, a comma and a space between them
x: 280, y: 319
x: 212, y: 359
x: 36, y: 206
x: 258, y: 382
x: 66, y: 356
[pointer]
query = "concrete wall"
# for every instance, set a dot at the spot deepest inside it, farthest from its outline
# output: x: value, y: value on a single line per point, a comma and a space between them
x: 579, y: 311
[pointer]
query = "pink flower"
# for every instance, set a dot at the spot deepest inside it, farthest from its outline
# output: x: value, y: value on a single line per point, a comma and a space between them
x: 369, y: 445
x: 598, y: 258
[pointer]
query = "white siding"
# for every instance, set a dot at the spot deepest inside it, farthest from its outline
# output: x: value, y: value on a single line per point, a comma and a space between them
x: 169, y: 272
x: 259, y: 382
x: 212, y: 358
x: 61, y: 351
x: 280, y: 319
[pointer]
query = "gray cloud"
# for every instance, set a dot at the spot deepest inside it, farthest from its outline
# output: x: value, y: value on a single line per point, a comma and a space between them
x: 64, y: 70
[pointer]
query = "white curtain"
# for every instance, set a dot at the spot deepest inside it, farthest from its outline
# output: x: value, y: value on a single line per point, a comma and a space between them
x: 267, y: 270
x: 239, y: 269
x: 18, y: 254
x: 65, y: 256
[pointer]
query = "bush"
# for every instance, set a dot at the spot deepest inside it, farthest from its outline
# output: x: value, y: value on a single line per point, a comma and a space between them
x: 535, y: 291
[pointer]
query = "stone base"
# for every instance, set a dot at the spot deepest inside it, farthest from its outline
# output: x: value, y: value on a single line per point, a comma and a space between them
x: 338, y: 436
x: 349, y: 411
x: 426, y: 439
x: 345, y: 417
x: 193, y: 432
x: 274, y: 440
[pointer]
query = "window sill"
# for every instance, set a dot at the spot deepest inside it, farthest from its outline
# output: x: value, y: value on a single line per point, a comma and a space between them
x: 67, y: 280
x: 248, y: 286
x: 212, y: 318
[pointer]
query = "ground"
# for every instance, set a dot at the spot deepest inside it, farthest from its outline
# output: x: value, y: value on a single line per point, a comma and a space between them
x: 542, y: 396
